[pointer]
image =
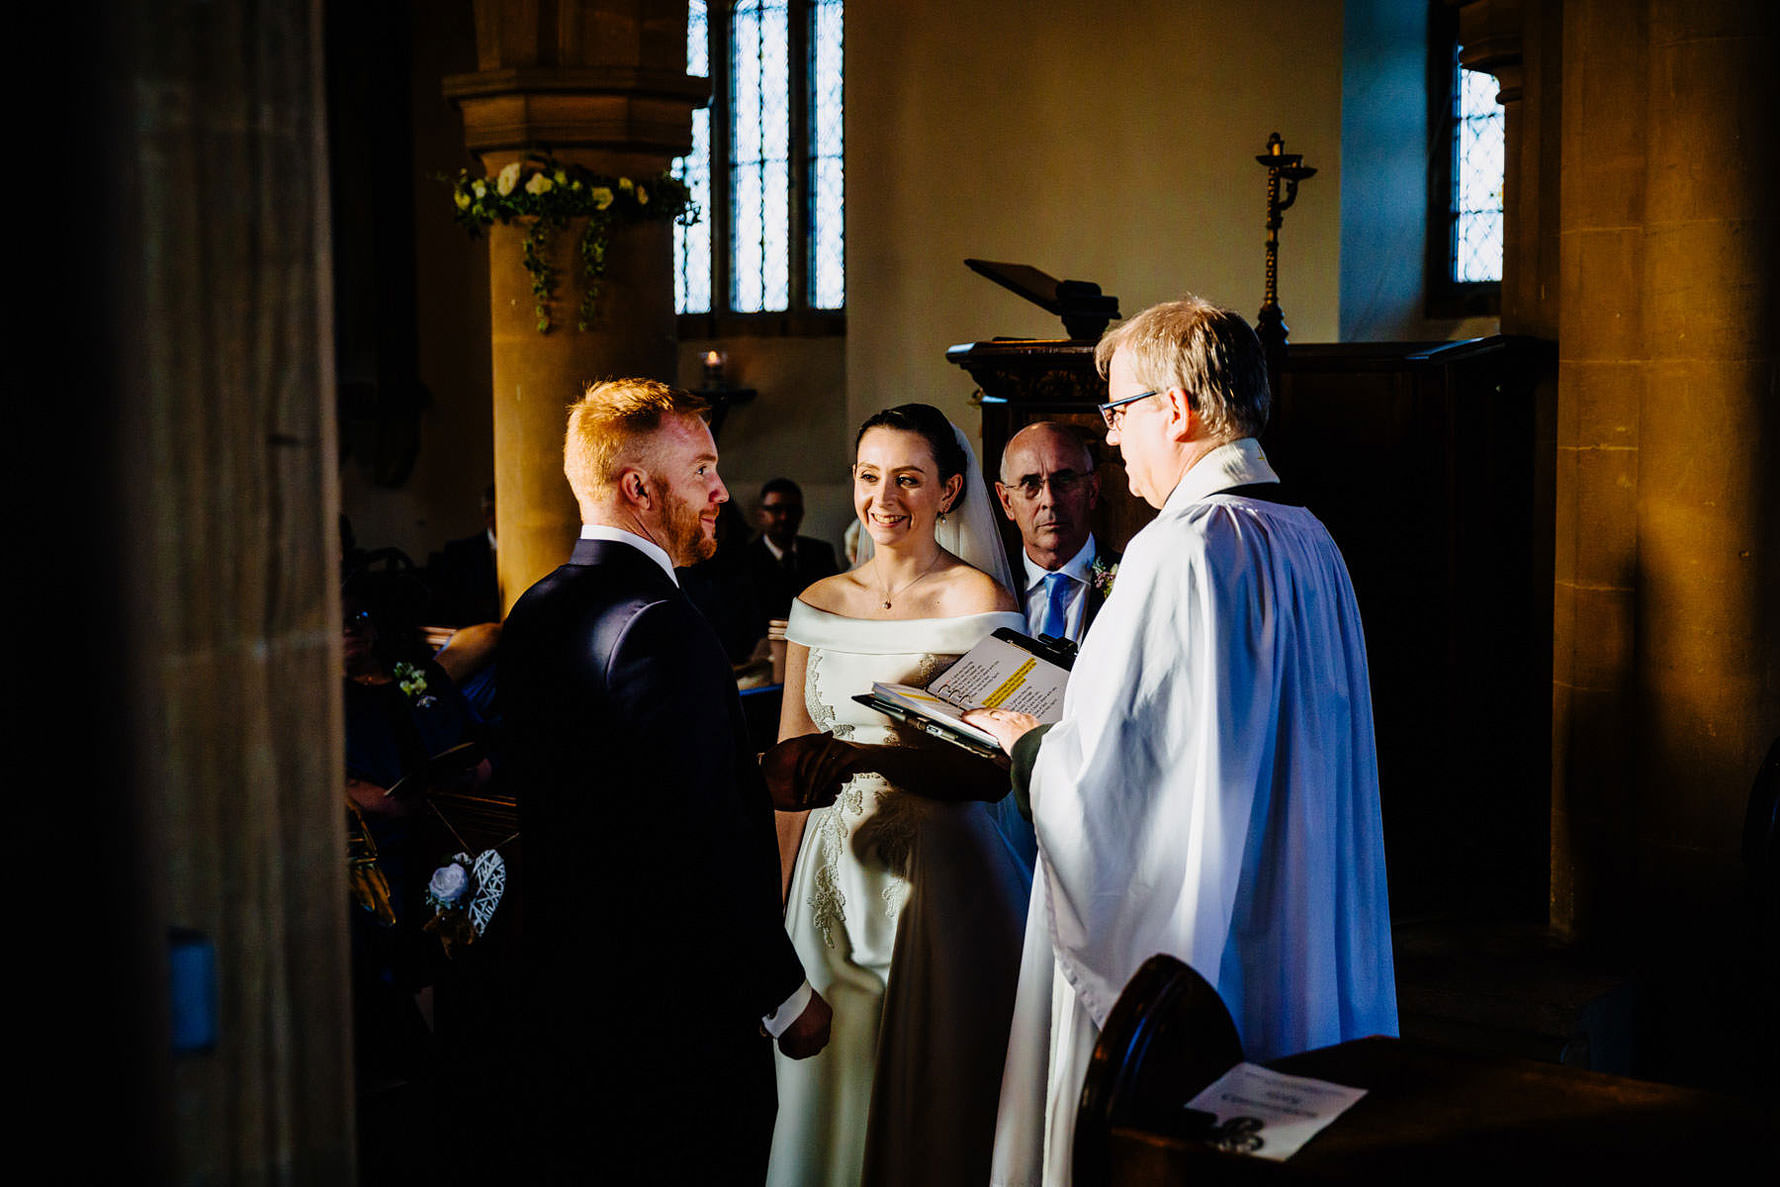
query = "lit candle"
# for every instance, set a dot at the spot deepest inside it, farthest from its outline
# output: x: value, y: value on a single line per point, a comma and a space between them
x: 714, y: 360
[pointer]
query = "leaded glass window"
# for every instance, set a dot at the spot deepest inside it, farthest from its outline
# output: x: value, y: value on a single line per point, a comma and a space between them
x: 1467, y: 152
x: 767, y: 165
x: 1478, y: 148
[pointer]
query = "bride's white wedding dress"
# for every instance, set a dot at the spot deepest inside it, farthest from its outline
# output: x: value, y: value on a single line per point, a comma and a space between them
x: 908, y: 914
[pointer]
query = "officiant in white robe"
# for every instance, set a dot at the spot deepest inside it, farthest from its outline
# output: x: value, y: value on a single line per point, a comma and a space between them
x: 1212, y: 788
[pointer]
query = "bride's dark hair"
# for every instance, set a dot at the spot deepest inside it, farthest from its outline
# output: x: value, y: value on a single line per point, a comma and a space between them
x: 932, y: 426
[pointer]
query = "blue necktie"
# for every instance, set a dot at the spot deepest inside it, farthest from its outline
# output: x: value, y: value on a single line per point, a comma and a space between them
x: 1056, y: 619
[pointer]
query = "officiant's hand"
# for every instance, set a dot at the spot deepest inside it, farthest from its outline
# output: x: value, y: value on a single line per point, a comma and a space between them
x: 1005, y: 725
x: 807, y: 772
x: 809, y: 1034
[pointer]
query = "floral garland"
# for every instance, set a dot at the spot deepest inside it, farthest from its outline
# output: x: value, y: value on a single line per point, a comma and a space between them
x: 550, y: 193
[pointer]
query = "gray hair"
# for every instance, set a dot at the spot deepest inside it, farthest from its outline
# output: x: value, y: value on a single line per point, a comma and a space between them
x: 1208, y: 351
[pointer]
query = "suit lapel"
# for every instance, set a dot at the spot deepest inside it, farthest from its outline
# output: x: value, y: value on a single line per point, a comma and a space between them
x: 1095, y: 598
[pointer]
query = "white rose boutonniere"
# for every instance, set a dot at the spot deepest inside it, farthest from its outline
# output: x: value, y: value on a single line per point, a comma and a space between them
x: 449, y: 884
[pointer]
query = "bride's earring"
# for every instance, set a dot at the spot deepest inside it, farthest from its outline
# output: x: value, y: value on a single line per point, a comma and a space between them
x: 942, y: 517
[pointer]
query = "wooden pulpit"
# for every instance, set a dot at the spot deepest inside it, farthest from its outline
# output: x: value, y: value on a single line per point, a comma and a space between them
x: 1432, y: 466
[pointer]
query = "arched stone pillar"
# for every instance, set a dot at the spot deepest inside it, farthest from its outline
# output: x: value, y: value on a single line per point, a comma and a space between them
x: 603, y: 84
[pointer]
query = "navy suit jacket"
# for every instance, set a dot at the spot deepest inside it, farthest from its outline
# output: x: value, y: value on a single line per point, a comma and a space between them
x: 653, y: 923
x: 776, y: 584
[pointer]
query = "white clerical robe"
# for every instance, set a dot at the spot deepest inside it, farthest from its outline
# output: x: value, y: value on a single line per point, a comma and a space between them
x: 1210, y: 792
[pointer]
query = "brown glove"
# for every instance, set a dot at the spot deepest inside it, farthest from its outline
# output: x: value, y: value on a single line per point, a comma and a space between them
x: 807, y: 772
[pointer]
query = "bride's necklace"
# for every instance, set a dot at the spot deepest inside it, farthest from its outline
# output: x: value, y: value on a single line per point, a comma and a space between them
x: 891, y: 593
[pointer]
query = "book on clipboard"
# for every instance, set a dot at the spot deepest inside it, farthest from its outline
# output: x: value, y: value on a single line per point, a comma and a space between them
x: 1007, y: 670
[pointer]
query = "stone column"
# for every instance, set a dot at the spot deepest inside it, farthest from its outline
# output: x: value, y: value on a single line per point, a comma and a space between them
x: 603, y: 84
x: 202, y: 630
x: 1600, y: 381
x: 1706, y: 659
x: 1666, y: 675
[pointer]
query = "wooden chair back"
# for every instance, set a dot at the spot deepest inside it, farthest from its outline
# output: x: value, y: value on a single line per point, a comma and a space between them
x: 1169, y: 1036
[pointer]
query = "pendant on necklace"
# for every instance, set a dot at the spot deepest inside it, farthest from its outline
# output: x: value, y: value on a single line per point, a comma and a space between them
x: 886, y: 605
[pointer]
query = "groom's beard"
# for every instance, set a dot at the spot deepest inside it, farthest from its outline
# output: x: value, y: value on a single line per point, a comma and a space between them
x: 684, y: 535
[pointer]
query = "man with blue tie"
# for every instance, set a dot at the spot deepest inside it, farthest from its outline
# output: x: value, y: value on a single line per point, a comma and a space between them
x: 1048, y: 487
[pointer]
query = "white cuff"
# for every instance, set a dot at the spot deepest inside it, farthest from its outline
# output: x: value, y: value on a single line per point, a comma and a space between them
x: 780, y: 1020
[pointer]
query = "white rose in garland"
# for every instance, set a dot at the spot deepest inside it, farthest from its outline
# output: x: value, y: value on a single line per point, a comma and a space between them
x: 549, y: 193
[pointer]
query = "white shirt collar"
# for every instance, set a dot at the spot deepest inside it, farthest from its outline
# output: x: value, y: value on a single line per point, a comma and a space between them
x: 778, y: 553
x: 1076, y: 567
x: 649, y: 548
x: 1234, y: 463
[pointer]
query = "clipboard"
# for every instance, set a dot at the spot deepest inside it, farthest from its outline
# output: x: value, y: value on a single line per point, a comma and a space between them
x: 937, y: 729
x: 1055, y: 653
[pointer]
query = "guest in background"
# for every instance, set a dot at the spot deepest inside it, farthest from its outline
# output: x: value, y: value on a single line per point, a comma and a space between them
x: 782, y: 563
x: 722, y: 587
x: 465, y: 576
x: 406, y: 726
x: 1048, y: 487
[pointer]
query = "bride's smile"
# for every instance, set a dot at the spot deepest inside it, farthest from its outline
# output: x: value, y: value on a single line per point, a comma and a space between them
x: 896, y: 487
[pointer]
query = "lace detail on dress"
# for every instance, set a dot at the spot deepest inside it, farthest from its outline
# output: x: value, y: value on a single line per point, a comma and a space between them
x: 828, y: 902
x: 820, y: 711
x: 879, y: 822
x: 833, y: 827
x: 930, y: 665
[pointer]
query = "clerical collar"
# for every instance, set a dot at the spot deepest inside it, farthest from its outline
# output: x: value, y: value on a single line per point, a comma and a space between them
x: 1234, y: 463
x: 1078, y: 566
x: 778, y: 553
x: 649, y: 548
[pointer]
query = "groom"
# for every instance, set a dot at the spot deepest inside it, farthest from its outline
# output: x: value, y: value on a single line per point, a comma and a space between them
x: 657, y: 964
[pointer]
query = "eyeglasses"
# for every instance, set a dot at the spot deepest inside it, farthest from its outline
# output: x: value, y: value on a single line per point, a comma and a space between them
x: 1061, y: 483
x: 1111, y: 417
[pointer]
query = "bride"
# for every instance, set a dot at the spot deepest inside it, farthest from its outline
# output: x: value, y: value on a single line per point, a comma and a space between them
x: 906, y: 898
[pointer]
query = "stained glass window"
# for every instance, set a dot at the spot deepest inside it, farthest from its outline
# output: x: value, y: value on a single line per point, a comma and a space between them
x: 692, y: 245
x: 1478, y: 158
x: 828, y: 258
x: 767, y: 166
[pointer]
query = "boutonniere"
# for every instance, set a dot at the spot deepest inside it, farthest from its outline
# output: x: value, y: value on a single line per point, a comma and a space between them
x: 413, y: 683
x: 1102, y: 574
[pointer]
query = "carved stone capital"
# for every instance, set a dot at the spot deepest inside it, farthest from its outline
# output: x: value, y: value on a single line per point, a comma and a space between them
x: 1490, y: 41
x: 579, y: 74
x: 580, y: 108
